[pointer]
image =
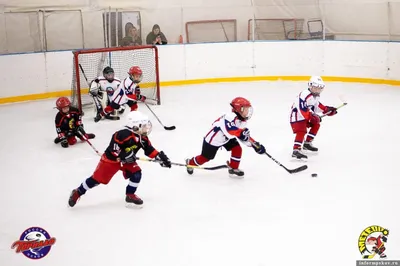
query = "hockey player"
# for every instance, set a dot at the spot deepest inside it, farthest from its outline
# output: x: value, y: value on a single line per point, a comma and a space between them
x: 128, y: 92
x: 224, y: 133
x: 121, y: 155
x: 69, y: 124
x: 102, y: 89
x: 304, y: 115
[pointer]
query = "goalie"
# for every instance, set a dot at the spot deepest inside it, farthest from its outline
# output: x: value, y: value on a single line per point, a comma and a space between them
x: 128, y: 92
x: 102, y: 89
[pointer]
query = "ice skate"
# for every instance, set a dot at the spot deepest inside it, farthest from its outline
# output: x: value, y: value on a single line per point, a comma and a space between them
x: 309, y: 147
x: 74, y: 197
x: 235, y: 173
x: 133, y: 201
x: 97, y: 118
x: 297, y: 154
x: 189, y: 170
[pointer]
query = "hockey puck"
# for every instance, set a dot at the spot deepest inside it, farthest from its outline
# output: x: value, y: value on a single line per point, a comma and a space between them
x: 314, y: 175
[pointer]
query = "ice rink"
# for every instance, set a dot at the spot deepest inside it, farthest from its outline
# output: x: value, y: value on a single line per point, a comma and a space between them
x: 268, y: 218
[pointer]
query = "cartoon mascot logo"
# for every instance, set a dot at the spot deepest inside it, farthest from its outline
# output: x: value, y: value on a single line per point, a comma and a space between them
x: 372, y: 242
x: 35, y: 243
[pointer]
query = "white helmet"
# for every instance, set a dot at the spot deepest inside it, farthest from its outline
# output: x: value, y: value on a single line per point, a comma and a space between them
x: 316, y: 85
x: 139, y: 123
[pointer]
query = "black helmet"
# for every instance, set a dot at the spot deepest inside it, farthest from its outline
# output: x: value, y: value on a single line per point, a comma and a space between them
x: 108, y: 70
x: 108, y: 73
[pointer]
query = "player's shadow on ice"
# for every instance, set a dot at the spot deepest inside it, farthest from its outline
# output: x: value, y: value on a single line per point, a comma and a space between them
x: 98, y: 206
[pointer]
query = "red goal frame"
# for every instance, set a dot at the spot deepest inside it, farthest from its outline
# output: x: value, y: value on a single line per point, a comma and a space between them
x: 197, y: 22
x: 297, y: 31
x: 76, y: 54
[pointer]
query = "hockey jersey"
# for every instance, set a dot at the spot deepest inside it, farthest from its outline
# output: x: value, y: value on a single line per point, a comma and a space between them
x: 223, y: 129
x: 305, y: 104
x: 125, y: 91
x: 103, y: 85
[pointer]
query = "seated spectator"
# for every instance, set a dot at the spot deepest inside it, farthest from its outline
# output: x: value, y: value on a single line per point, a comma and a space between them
x: 156, y: 37
x: 132, y: 37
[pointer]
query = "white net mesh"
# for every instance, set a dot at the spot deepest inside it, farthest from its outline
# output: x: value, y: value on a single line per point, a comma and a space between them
x: 92, y: 62
x: 211, y: 31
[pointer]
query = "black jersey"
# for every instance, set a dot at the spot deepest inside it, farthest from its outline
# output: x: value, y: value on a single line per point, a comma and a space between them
x: 124, y: 141
x: 67, y: 122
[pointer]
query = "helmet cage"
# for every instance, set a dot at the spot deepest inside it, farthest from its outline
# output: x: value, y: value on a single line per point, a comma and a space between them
x: 143, y: 129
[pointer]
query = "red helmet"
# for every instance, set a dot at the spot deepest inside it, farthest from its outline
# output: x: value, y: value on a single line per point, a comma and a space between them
x: 242, y: 107
x: 135, y: 70
x: 62, y: 102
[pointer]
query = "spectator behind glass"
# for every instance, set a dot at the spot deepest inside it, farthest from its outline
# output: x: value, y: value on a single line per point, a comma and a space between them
x: 131, y: 36
x: 156, y: 36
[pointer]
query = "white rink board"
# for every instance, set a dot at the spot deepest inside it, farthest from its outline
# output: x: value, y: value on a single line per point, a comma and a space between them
x: 48, y: 72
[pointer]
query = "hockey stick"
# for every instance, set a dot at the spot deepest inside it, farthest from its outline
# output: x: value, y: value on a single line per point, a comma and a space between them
x: 290, y: 171
x: 340, y: 106
x: 84, y: 75
x: 373, y: 254
x: 88, y: 142
x: 184, y: 165
x: 165, y: 127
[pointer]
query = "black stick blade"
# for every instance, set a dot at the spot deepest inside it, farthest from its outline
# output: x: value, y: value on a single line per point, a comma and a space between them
x: 169, y: 128
x: 299, y: 169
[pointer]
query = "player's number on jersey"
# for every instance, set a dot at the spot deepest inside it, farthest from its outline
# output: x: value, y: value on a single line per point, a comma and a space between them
x: 116, y: 148
x: 229, y: 124
x: 303, y: 105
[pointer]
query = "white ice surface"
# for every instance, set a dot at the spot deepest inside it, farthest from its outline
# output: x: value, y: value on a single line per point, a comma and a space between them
x: 268, y: 218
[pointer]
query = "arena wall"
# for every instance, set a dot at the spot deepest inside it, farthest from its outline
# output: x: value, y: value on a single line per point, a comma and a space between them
x: 45, y: 75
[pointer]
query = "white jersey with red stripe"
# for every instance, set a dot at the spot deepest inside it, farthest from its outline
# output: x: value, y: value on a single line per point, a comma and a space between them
x: 125, y: 89
x: 223, y: 129
x: 105, y: 86
x: 304, y: 105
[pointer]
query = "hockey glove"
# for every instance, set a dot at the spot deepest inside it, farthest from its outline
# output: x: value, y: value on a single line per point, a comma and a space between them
x: 127, y: 157
x: 61, y: 139
x: 258, y: 147
x: 141, y: 98
x: 165, y: 161
x: 245, y: 134
x: 329, y: 111
x: 79, y: 131
x: 315, y: 119
x: 64, y: 143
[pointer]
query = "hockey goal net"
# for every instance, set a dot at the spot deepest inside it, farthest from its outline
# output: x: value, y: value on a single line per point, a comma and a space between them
x: 89, y: 64
x: 275, y: 29
x: 211, y: 31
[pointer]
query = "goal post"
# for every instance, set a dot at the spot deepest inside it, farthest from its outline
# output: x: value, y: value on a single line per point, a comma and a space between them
x: 89, y: 64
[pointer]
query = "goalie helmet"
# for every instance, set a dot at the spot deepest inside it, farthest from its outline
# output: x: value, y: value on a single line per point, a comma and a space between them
x: 135, y: 74
x: 242, y: 108
x: 139, y: 123
x: 316, y: 85
x: 63, y: 102
x: 108, y: 74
